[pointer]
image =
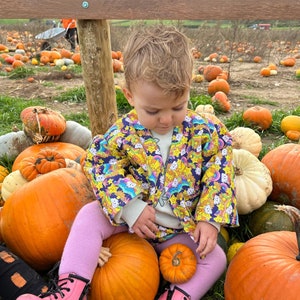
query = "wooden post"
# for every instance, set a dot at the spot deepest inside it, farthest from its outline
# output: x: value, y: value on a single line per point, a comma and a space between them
x: 98, y: 77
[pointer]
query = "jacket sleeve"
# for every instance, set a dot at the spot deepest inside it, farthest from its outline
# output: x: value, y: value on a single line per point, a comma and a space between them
x: 107, y: 168
x: 217, y: 201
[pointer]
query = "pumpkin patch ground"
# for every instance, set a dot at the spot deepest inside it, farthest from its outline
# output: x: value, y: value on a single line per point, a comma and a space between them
x: 247, y: 86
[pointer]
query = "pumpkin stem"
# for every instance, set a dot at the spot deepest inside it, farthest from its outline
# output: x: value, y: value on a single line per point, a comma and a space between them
x: 176, y: 259
x: 238, y: 171
x: 50, y: 158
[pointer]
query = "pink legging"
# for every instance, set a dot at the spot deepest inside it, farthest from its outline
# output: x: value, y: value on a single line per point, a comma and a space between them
x: 91, y: 227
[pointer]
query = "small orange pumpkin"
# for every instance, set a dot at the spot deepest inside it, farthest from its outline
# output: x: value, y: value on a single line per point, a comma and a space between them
x: 265, y: 72
x: 272, y: 66
x: 76, y: 58
x: 20, y: 46
x: 67, y: 150
x: 45, y: 161
x: 220, y: 99
x: 44, y: 59
x: 27, y: 168
x: 223, y: 75
x: 211, y: 72
x: 258, y: 116
x: 213, y: 56
x: 3, y: 47
x: 17, y: 64
x: 177, y: 263
x: 53, y: 55
x: 224, y: 59
x: 293, y: 135
x: 117, y: 66
x: 114, y: 55
x: 217, y: 85
x: 257, y: 59
x: 18, y: 56
x: 65, y: 53
x: 288, y: 62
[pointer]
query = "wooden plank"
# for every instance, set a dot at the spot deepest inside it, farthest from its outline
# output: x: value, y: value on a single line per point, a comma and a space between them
x: 94, y: 37
x: 154, y: 9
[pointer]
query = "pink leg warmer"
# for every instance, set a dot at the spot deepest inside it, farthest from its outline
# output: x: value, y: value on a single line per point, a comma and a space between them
x: 81, y: 252
x: 208, y: 270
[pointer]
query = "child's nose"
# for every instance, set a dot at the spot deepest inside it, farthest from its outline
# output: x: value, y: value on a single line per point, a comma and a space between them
x: 166, y: 118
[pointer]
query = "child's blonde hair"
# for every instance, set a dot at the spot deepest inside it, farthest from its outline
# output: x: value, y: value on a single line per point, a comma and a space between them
x: 160, y: 55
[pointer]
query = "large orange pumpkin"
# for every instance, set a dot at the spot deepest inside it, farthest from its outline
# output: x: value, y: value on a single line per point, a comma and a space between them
x: 36, y: 219
x: 131, y: 272
x: 265, y: 267
x: 67, y: 150
x: 284, y: 165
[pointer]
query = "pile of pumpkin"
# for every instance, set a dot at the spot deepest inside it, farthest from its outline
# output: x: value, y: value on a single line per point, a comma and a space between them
x: 42, y: 195
x: 46, y: 188
x: 218, y: 87
x: 262, y: 186
x: 55, y: 57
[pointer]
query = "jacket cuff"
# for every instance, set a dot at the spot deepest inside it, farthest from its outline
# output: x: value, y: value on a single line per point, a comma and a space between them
x: 217, y: 225
x: 131, y: 211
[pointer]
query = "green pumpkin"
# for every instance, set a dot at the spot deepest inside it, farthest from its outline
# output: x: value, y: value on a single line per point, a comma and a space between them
x: 222, y: 242
x: 267, y: 218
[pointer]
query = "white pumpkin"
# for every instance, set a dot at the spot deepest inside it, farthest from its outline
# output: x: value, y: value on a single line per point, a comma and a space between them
x: 68, y: 61
x: 13, y: 143
x: 12, y: 182
x: 246, y: 138
x: 252, y: 180
x: 205, y: 108
x: 76, y: 134
x: 59, y: 62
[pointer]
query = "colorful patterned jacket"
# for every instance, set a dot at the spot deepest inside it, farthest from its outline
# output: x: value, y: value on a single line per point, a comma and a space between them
x: 198, y: 178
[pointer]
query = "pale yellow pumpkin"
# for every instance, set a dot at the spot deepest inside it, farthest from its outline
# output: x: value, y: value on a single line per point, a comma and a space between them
x: 12, y: 182
x: 252, y: 180
x: 246, y: 138
x: 205, y: 108
x: 3, y: 173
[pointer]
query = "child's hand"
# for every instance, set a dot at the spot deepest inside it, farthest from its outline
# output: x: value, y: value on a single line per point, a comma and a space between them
x: 145, y: 226
x: 206, y: 236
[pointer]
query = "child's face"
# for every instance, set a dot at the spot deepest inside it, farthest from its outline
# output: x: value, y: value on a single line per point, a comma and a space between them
x: 157, y: 111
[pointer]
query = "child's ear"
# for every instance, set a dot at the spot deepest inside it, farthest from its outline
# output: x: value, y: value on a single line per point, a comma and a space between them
x: 128, y: 96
